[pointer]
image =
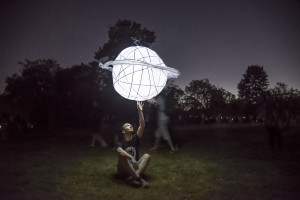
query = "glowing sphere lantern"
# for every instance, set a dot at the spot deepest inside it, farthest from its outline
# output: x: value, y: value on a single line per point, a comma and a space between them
x: 139, y: 73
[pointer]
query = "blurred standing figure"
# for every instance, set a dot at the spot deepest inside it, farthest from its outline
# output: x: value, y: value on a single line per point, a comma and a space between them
x: 276, y: 120
x: 96, y: 136
x: 162, y: 126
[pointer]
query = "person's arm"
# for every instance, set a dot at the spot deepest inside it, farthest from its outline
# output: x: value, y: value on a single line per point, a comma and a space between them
x: 141, y: 119
x: 123, y: 153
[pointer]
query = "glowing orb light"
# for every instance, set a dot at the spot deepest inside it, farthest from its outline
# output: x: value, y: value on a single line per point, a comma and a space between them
x: 139, y: 73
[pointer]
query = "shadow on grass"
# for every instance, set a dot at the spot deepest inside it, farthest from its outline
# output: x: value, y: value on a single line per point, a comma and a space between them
x: 121, y: 180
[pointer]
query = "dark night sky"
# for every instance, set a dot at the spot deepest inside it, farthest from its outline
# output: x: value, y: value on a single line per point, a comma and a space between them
x: 203, y: 39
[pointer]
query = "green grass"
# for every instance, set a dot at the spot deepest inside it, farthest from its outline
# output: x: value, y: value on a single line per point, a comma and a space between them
x: 215, y: 162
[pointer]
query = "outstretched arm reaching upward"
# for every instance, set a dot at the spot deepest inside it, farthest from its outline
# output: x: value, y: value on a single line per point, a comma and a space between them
x: 141, y: 119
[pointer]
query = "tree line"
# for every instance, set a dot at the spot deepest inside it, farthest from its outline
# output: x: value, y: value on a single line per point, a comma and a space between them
x: 47, y: 95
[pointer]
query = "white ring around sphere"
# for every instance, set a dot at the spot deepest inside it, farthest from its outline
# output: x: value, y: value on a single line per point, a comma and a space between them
x: 139, y: 73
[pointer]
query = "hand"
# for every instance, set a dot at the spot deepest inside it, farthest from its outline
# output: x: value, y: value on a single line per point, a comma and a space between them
x: 135, y: 164
x: 139, y: 106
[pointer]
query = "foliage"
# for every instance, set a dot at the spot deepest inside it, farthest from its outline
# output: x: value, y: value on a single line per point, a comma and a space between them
x: 253, y: 84
x: 79, y: 95
x: 289, y: 98
x: 236, y: 108
x: 220, y: 101
x: 47, y: 95
x: 203, y: 98
x: 202, y: 91
x: 31, y: 93
x: 123, y: 34
x: 173, y: 95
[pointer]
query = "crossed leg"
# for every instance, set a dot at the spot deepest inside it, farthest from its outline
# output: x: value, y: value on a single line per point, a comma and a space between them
x: 127, y: 166
x: 145, y: 159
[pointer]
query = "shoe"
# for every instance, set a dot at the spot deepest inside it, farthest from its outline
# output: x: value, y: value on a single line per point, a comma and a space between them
x: 172, y: 151
x: 129, y: 178
x: 133, y: 182
x: 152, y: 149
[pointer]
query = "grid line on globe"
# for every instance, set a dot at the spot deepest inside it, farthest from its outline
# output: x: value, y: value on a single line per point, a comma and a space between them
x: 139, y: 73
x: 151, y: 80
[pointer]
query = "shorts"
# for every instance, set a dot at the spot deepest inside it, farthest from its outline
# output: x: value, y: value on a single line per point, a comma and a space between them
x: 122, y: 172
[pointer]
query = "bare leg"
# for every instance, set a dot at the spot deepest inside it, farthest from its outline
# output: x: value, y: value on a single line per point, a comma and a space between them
x: 155, y: 147
x: 138, y: 181
x: 101, y: 140
x: 93, y: 140
x: 98, y: 138
x: 145, y: 159
x: 166, y: 135
x: 170, y: 143
x: 127, y: 167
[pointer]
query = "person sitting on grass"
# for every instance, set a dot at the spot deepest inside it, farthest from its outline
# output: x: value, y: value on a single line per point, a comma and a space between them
x: 129, y: 164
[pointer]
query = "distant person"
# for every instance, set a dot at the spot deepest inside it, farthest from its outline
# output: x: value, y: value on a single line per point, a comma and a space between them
x: 162, y: 126
x: 130, y: 165
x: 275, y: 120
x: 173, y: 133
x: 96, y: 134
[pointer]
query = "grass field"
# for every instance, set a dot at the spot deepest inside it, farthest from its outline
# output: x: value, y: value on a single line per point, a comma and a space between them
x: 215, y: 162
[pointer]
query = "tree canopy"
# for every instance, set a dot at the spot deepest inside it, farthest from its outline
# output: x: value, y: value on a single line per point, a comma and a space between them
x: 31, y: 93
x: 287, y: 96
x: 205, y: 97
x: 48, y: 95
x: 123, y: 34
x: 253, y: 84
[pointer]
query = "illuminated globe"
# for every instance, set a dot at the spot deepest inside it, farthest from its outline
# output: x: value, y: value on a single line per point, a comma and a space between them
x: 139, y: 73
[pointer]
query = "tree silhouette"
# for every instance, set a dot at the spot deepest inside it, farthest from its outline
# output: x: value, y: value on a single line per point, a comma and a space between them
x: 219, y: 101
x: 78, y: 95
x: 289, y: 98
x: 253, y: 84
x: 31, y: 93
x: 205, y: 98
x: 123, y: 34
x: 173, y: 96
x: 282, y: 92
x: 200, y: 90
